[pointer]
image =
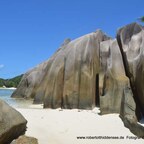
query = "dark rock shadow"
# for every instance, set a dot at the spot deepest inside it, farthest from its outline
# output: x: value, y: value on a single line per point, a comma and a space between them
x: 142, y: 120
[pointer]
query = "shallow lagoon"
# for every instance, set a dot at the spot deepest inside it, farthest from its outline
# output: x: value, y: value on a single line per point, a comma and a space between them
x: 5, y: 94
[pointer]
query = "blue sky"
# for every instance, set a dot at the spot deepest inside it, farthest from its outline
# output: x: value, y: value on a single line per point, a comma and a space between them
x: 32, y: 30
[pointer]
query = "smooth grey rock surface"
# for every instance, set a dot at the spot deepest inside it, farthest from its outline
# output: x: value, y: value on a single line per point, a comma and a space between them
x: 113, y: 80
x: 25, y: 140
x: 12, y: 123
x: 131, y: 40
x: 68, y: 78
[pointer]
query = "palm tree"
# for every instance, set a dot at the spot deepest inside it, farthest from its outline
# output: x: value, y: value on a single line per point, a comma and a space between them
x: 141, y: 19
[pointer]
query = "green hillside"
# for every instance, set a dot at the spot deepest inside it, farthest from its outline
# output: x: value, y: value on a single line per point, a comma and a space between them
x: 13, y: 82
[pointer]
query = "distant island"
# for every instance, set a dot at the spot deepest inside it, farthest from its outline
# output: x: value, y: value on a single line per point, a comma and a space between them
x: 13, y: 82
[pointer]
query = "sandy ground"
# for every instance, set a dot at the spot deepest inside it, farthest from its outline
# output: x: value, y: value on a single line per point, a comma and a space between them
x: 65, y: 126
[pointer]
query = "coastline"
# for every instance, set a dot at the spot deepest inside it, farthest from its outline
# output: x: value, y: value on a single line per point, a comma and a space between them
x: 60, y: 126
x: 5, y: 88
x: 65, y: 126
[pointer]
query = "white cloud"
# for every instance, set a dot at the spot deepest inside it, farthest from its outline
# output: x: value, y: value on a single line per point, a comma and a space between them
x: 1, y: 66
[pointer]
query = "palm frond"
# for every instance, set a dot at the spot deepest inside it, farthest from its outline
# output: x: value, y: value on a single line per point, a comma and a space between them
x: 141, y: 19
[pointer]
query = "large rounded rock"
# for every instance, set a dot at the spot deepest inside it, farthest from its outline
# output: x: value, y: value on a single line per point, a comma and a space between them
x: 89, y: 71
x: 68, y: 78
x: 12, y: 123
x: 113, y: 80
x: 131, y: 42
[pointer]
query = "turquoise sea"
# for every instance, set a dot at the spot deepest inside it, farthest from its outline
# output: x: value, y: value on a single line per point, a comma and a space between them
x: 5, y: 94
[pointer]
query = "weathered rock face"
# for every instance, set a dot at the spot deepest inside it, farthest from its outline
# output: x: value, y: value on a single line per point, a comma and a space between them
x: 68, y: 78
x: 25, y: 140
x: 113, y: 80
x: 93, y: 70
x: 131, y: 41
x: 31, y: 81
x: 12, y: 123
x: 128, y: 114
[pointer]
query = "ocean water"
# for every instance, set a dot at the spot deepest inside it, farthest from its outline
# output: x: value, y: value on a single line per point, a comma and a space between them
x: 5, y: 95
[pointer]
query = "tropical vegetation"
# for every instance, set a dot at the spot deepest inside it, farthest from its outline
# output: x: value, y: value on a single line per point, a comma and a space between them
x: 13, y: 82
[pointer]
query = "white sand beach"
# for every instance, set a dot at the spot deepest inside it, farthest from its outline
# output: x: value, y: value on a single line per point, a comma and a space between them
x: 5, y: 88
x: 64, y: 126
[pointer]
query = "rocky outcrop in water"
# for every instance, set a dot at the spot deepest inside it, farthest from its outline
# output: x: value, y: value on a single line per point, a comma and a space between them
x: 93, y: 70
x: 12, y: 123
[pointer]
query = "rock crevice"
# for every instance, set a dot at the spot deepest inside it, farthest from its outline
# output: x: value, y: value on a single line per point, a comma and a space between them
x: 130, y: 39
x: 124, y: 38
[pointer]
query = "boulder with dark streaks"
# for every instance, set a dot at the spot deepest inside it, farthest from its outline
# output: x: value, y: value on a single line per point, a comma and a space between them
x: 12, y: 123
x: 113, y: 80
x: 67, y: 79
x: 131, y: 41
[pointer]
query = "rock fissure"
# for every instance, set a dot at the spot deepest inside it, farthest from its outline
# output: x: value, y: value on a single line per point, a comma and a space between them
x: 129, y: 75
